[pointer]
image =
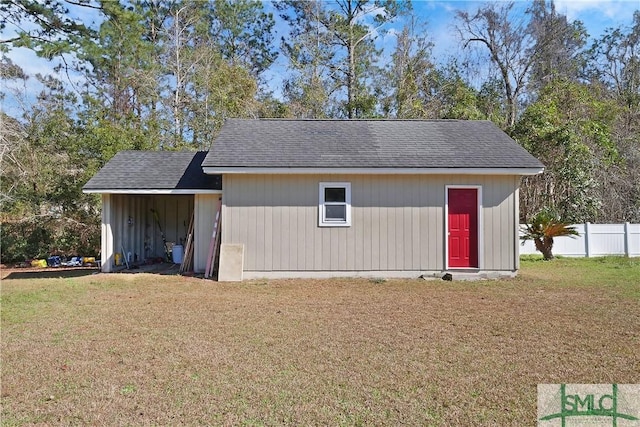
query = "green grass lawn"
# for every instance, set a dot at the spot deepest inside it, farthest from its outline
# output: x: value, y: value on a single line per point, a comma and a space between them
x: 165, y: 350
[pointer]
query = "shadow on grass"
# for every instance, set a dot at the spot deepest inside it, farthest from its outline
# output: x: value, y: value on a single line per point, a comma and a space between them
x: 164, y: 268
x: 58, y: 273
x: 168, y: 269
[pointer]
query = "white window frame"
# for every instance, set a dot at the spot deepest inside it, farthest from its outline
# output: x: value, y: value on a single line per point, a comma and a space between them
x: 322, y: 219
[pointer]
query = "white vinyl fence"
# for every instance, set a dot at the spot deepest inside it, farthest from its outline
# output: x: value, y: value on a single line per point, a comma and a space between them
x: 595, y: 240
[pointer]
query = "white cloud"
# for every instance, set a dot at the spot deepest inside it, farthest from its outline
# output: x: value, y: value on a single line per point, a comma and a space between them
x: 597, y: 9
x: 30, y: 63
x: 20, y: 94
x: 598, y: 16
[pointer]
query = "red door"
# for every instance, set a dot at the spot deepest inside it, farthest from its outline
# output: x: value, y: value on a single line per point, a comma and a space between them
x: 463, y: 227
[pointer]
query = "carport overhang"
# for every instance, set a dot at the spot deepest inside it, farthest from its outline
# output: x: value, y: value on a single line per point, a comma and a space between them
x: 149, y: 197
x: 150, y: 191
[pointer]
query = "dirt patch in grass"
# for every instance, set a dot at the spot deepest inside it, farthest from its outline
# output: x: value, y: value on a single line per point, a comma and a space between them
x: 145, y: 349
x: 46, y: 273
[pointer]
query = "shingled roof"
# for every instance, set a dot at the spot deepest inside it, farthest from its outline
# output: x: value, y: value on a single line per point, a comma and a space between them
x: 156, y: 171
x: 365, y: 144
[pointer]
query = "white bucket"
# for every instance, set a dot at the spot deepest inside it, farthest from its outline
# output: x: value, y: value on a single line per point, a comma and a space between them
x: 176, y: 254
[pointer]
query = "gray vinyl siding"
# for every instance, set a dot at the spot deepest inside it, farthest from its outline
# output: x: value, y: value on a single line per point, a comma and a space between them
x: 397, y: 222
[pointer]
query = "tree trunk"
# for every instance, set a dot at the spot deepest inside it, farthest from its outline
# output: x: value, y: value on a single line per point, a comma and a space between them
x: 351, y: 77
x: 545, y: 245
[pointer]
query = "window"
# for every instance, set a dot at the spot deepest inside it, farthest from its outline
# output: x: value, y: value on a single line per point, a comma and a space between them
x: 334, y: 209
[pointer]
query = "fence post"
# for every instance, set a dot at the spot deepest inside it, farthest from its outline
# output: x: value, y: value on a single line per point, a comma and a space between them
x: 587, y: 240
x: 627, y: 238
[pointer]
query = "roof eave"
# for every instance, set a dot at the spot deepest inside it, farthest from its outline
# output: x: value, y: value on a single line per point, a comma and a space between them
x: 216, y: 170
x: 148, y: 191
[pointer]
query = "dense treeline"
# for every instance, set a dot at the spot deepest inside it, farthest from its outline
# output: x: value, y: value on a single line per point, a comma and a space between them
x: 160, y: 74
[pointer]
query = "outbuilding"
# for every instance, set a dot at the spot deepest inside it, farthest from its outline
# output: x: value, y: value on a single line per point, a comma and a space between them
x: 327, y: 198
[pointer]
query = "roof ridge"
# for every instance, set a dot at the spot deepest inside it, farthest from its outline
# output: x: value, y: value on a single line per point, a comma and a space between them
x: 287, y: 119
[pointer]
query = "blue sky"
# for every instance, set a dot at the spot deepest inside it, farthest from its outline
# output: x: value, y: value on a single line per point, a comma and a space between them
x: 597, y: 15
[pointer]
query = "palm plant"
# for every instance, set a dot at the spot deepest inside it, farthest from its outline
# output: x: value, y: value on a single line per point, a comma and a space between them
x: 542, y: 228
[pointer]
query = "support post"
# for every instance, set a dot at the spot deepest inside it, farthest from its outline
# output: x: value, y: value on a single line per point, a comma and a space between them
x: 106, y: 243
x: 627, y: 239
x: 587, y: 240
x: 516, y: 218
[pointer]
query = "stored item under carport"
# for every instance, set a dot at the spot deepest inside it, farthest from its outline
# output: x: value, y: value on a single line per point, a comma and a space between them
x: 164, y: 240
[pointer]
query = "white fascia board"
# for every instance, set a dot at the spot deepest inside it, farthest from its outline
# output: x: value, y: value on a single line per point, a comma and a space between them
x: 373, y: 171
x: 148, y: 191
